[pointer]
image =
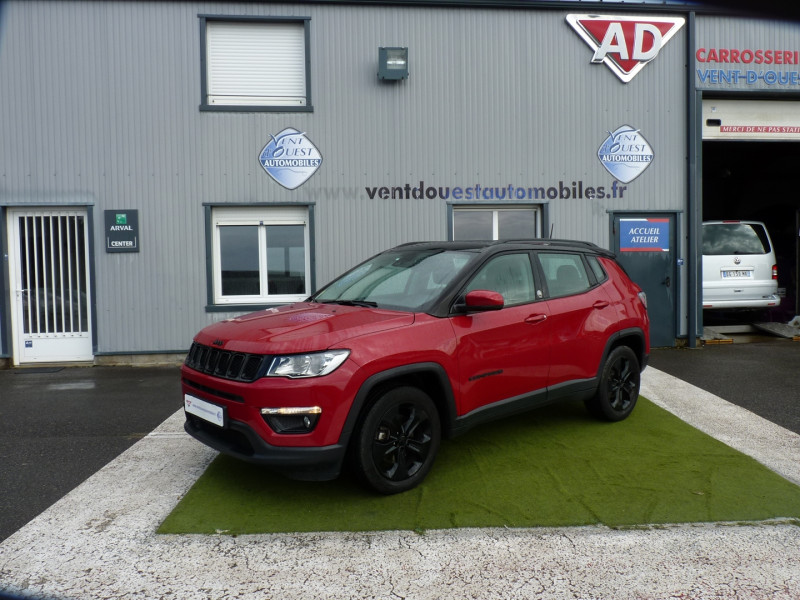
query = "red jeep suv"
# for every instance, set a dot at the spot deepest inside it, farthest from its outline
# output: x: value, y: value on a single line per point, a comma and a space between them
x: 418, y: 343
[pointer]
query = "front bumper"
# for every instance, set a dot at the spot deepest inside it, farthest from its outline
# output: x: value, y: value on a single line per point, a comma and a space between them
x: 238, y: 439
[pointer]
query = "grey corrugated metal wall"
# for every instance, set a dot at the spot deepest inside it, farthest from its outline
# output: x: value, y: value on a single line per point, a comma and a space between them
x: 101, y: 99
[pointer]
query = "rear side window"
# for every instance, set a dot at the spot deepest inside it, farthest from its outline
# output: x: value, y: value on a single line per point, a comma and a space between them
x: 565, y: 274
x: 734, y: 238
x: 596, y: 268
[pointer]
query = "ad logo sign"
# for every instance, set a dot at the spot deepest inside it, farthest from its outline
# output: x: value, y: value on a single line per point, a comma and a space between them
x: 625, y: 153
x: 625, y: 44
x: 290, y: 158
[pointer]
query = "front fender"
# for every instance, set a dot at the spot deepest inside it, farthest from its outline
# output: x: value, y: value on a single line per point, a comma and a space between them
x: 424, y: 375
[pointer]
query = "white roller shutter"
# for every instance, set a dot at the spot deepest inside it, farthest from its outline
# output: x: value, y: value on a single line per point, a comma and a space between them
x: 765, y: 120
x: 256, y: 64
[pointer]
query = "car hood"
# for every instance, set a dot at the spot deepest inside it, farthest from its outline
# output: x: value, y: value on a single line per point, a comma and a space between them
x: 301, y: 327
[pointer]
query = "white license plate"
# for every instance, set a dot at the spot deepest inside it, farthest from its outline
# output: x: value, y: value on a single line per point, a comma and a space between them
x: 205, y: 410
x: 738, y: 274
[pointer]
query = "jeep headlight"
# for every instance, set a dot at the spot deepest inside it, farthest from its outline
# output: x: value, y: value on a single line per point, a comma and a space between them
x: 314, y: 364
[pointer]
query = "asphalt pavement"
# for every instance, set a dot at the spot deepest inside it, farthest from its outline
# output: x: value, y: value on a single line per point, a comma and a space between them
x: 759, y: 373
x: 58, y: 426
x: 92, y: 459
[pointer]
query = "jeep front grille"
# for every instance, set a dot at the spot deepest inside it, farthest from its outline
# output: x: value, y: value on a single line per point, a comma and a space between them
x: 238, y: 366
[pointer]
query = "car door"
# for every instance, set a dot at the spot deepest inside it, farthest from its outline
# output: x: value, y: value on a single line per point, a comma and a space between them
x: 580, y: 316
x: 503, y: 354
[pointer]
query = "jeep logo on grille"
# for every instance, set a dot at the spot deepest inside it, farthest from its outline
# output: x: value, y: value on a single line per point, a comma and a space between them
x: 219, y: 343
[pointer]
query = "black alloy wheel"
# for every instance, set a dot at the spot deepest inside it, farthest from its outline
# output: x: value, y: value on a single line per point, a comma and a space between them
x: 618, y: 390
x: 398, y: 440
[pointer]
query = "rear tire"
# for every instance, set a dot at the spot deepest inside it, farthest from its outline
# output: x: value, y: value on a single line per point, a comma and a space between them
x: 618, y: 389
x: 397, y: 442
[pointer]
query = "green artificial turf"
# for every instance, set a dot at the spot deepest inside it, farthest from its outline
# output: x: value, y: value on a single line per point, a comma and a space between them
x: 551, y: 467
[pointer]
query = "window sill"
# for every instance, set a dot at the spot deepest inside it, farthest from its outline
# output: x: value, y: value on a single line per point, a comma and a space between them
x: 236, y: 108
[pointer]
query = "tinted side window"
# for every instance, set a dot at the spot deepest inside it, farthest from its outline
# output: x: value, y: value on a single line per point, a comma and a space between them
x: 565, y: 274
x: 509, y: 275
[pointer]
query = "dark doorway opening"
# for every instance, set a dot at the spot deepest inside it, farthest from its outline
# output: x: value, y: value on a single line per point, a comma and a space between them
x: 752, y: 180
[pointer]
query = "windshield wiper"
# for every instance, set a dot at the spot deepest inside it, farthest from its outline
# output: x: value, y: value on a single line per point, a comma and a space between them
x: 362, y: 303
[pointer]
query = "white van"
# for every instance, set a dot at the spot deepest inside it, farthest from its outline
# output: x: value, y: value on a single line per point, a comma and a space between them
x: 739, y: 266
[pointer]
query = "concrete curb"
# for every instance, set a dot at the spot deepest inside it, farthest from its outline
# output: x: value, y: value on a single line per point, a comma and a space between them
x: 99, y: 541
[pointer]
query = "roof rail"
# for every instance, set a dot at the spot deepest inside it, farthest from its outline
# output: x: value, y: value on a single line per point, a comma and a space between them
x: 538, y: 242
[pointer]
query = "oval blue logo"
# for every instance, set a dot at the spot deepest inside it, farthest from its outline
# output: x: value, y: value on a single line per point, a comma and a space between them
x: 290, y: 158
x: 625, y: 153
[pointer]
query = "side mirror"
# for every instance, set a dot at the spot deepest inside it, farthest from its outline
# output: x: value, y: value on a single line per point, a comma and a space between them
x: 481, y: 301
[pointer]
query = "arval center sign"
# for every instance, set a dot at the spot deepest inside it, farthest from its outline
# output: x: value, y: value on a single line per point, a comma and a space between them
x: 625, y: 44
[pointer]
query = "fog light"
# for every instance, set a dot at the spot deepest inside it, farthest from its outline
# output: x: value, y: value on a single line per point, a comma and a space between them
x: 292, y: 419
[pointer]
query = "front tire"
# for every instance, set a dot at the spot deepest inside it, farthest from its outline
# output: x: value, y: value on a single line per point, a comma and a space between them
x: 397, y: 441
x: 618, y: 390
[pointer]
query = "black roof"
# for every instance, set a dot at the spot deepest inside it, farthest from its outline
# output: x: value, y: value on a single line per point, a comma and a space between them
x: 497, y: 245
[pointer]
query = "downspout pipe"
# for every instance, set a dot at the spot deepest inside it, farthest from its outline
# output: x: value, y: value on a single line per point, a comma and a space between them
x: 694, y: 223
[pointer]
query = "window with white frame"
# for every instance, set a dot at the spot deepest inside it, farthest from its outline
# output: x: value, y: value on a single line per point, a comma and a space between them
x: 255, y: 64
x: 260, y: 255
x: 508, y: 222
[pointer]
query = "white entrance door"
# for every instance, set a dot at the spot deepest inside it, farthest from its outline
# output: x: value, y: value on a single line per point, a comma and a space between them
x: 49, y: 274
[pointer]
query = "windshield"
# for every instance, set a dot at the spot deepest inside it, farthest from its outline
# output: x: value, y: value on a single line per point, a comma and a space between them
x: 399, y: 279
x: 721, y: 239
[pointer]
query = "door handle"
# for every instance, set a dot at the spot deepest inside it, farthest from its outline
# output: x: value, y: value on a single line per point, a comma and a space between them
x: 600, y: 304
x: 667, y: 281
x: 533, y: 319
